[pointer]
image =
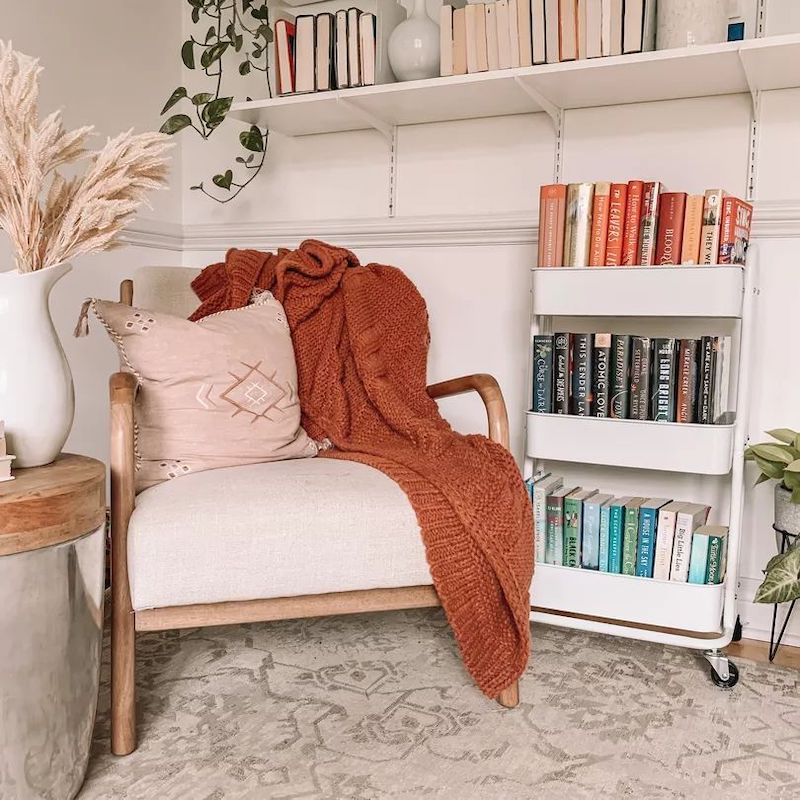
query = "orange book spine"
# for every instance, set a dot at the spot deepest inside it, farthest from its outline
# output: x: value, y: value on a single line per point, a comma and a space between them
x: 600, y: 216
x: 552, y: 218
x: 735, y: 234
x: 692, y: 229
x: 669, y: 239
x: 633, y: 218
x: 616, y: 223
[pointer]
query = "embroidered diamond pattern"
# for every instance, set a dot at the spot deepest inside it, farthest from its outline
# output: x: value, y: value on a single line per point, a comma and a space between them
x: 140, y: 321
x: 255, y: 392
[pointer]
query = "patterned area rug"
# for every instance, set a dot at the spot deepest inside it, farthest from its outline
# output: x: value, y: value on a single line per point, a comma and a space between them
x: 379, y: 706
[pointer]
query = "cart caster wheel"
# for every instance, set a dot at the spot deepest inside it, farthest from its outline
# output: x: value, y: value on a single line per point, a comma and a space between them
x: 733, y: 677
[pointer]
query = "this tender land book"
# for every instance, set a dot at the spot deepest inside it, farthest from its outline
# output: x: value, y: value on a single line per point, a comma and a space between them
x: 638, y: 224
x: 653, y: 538
x: 620, y: 376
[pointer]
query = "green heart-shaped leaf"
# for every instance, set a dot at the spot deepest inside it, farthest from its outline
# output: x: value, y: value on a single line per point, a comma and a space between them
x: 782, y: 581
x: 252, y: 140
x: 224, y: 181
x: 176, y: 96
x: 175, y: 123
x: 187, y: 54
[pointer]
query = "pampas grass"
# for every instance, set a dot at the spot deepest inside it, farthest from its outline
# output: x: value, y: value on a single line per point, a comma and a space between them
x: 50, y: 218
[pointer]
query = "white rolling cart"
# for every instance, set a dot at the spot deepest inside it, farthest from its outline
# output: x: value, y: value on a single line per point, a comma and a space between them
x: 687, y: 615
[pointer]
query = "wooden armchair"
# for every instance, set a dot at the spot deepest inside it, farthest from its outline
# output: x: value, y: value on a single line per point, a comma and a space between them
x: 128, y: 555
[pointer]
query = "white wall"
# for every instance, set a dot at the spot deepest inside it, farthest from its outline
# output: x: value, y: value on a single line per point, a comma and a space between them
x: 109, y: 63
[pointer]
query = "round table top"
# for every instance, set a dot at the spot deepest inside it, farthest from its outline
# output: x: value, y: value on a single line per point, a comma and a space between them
x: 53, y: 504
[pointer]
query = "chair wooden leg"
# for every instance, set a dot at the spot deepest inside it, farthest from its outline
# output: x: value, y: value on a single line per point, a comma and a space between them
x: 123, y: 683
x: 509, y: 697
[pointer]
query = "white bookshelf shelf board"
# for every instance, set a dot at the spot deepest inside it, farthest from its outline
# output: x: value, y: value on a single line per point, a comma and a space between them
x: 701, y: 71
x: 638, y: 291
x: 624, y: 598
x: 667, y: 446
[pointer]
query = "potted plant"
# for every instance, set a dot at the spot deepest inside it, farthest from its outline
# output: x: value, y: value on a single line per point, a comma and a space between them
x: 779, y: 461
x: 51, y: 218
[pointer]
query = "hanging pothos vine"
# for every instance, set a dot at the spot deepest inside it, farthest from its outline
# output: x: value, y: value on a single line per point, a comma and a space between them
x: 236, y: 26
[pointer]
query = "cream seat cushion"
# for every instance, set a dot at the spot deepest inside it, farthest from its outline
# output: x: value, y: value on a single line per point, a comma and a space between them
x: 278, y: 529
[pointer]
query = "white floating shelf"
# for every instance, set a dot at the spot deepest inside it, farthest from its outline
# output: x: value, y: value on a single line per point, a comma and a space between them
x: 702, y: 71
x: 638, y: 291
x: 668, y: 446
x: 624, y: 598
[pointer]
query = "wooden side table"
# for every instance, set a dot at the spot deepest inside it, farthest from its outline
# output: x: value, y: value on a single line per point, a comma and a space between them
x: 52, y: 523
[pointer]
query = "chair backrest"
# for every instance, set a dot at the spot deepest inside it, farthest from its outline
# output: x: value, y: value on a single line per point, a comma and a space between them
x: 165, y: 289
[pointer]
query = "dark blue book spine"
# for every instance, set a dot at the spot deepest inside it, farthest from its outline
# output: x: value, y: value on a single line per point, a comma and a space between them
x: 648, y: 519
x: 664, y: 384
x: 543, y: 374
x: 562, y: 355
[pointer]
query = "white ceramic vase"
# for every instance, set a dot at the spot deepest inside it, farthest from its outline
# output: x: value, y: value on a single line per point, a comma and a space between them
x: 414, y: 46
x: 37, y: 399
x: 682, y: 23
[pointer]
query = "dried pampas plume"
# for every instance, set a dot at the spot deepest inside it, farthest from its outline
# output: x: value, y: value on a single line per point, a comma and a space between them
x: 48, y: 217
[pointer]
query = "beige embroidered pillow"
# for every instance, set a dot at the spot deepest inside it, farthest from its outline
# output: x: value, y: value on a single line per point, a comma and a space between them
x: 215, y: 393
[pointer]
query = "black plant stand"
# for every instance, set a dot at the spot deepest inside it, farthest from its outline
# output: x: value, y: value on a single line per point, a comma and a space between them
x: 774, y: 644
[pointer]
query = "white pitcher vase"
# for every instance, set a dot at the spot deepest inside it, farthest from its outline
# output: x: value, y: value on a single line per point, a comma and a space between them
x: 37, y: 399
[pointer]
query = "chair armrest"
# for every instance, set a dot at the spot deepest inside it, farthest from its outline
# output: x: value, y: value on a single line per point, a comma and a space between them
x: 489, y: 390
x: 122, y: 390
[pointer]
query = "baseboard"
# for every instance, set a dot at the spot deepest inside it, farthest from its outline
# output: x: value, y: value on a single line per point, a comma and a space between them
x: 772, y: 220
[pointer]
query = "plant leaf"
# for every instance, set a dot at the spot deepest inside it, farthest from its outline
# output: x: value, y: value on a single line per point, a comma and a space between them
x: 773, y: 452
x: 782, y: 581
x: 238, y: 41
x: 252, y: 140
x: 201, y: 98
x: 224, y: 181
x: 195, y: 188
x: 213, y: 53
x: 761, y: 479
x: 794, y: 466
x: 244, y: 68
x: 265, y: 32
x: 785, y: 435
x: 187, y: 54
x: 176, y: 96
x: 774, y: 471
x: 260, y: 13
x: 214, y: 113
x: 210, y: 34
x: 175, y: 123
x: 195, y: 15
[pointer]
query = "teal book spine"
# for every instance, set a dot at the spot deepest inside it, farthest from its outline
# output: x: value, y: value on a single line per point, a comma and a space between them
x: 590, y: 541
x: 646, y: 548
x: 615, y: 539
x: 554, y: 531
x: 698, y: 561
x: 630, y: 538
x: 605, y: 528
x: 717, y: 553
x: 572, y: 531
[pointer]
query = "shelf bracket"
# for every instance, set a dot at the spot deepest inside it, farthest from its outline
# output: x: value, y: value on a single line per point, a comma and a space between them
x: 379, y: 125
x: 552, y: 110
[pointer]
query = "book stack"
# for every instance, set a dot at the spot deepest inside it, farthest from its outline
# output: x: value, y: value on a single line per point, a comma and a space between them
x: 5, y: 458
x: 644, y: 537
x: 520, y: 33
x: 638, y: 224
x: 319, y: 52
x: 620, y: 376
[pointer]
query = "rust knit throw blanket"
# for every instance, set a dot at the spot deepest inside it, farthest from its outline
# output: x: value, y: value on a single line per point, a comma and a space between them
x: 361, y: 340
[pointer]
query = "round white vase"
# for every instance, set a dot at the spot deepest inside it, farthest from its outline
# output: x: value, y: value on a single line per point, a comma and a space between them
x: 682, y: 23
x: 37, y: 399
x: 414, y: 46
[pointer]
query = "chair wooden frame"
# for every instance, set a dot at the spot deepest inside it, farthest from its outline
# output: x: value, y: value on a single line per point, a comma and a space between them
x: 125, y: 622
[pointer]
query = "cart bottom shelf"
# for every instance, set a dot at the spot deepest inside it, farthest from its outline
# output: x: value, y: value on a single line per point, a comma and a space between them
x: 602, y: 601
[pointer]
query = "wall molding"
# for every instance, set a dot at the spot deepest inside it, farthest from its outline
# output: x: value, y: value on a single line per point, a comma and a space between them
x: 772, y: 220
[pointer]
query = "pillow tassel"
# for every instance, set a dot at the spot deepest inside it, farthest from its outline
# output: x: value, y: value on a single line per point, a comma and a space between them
x: 82, y: 325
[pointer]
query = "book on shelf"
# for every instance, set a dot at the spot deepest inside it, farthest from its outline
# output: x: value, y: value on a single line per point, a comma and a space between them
x: 541, y: 488
x: 590, y: 537
x: 686, y: 401
x: 460, y: 41
x: 717, y: 552
x: 630, y: 535
x: 664, y: 383
x: 353, y: 47
x: 562, y: 371
x: 648, y: 530
x: 284, y: 56
x: 591, y: 21
x: 639, y: 26
x: 688, y: 519
x: 552, y: 31
x: 568, y: 30
x: 633, y: 222
x: 538, y: 38
x: 578, y: 226
x: 600, y: 217
x: 665, y: 536
x: 502, y: 19
x: 446, y: 39
x: 721, y: 382
x: 601, y: 374
x: 651, y: 196
x: 620, y: 375
x: 524, y: 33
x: 341, y: 67
x: 554, y: 537
x: 639, y: 407
x: 543, y: 373
x: 692, y: 229
x: 476, y: 38
x: 325, y: 58
x: 737, y: 216
x: 705, y: 380
x: 366, y: 48
x: 492, y: 47
x: 581, y: 384
x: 304, y: 47
x: 513, y: 32
x: 710, y: 232
x: 552, y: 221
x: 573, y: 525
x: 616, y: 533
x: 612, y: 17
x: 618, y: 203
x: 669, y: 239
x: 605, y: 530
